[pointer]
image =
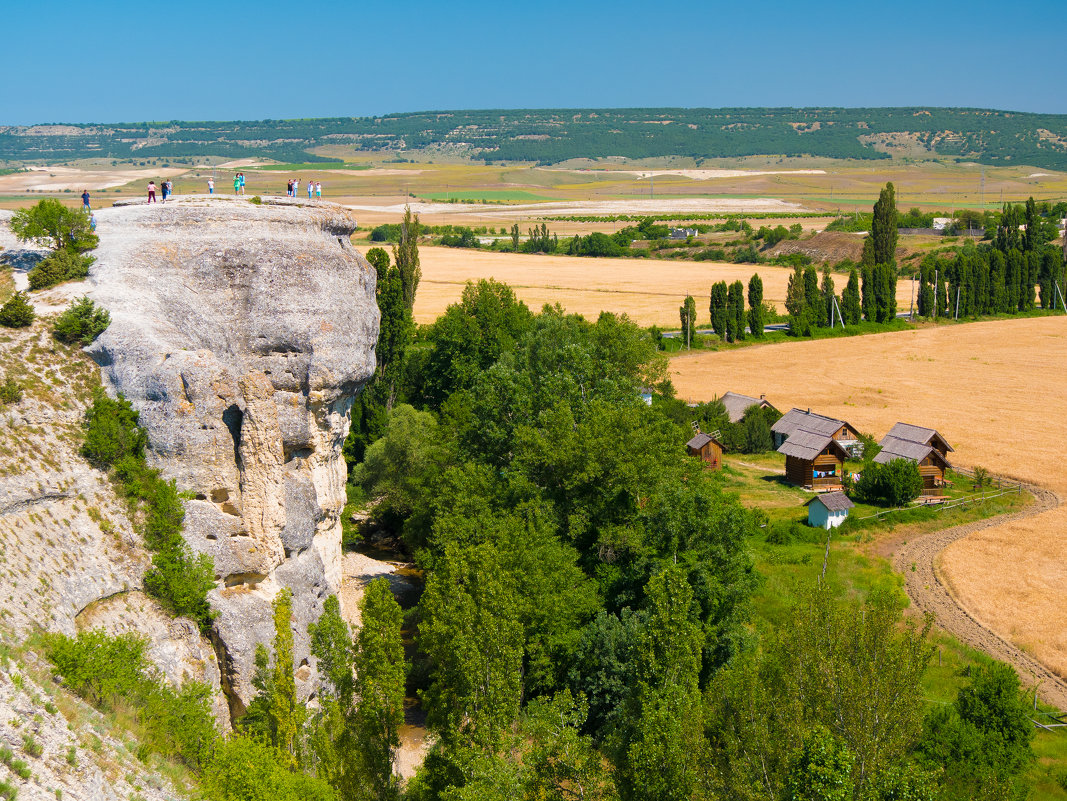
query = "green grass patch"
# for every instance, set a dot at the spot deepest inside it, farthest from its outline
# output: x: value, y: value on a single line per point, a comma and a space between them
x: 487, y: 196
x: 312, y: 165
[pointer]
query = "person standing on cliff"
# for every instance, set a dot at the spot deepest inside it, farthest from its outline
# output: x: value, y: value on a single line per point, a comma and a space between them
x: 318, y: 189
x: 85, y: 201
x: 151, y: 191
x: 237, y: 184
x: 241, y: 175
x: 296, y: 186
x: 311, y: 189
x: 211, y: 186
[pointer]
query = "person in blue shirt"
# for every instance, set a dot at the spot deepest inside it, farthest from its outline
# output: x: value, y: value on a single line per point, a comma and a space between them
x: 85, y: 200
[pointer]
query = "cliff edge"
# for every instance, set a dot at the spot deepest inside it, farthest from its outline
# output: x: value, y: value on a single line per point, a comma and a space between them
x: 241, y: 333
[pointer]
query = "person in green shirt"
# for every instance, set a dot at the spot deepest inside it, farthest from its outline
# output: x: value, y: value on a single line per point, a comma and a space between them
x: 237, y: 184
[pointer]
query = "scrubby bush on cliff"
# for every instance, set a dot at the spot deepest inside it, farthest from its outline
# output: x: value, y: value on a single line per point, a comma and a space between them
x: 63, y: 265
x: 114, y: 673
x: 10, y: 391
x: 82, y: 322
x: 17, y: 312
x: 111, y: 431
x: 179, y: 578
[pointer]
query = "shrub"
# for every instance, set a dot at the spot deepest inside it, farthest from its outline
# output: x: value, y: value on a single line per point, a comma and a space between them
x: 10, y: 391
x: 82, y: 322
x: 17, y: 312
x: 112, y: 672
x: 111, y: 431
x: 54, y: 225
x: 256, y: 200
x: 178, y: 578
x: 31, y: 746
x: 8, y: 791
x: 63, y: 265
x: 896, y: 483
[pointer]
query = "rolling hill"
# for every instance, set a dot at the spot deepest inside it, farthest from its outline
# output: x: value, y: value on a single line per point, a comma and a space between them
x: 552, y: 135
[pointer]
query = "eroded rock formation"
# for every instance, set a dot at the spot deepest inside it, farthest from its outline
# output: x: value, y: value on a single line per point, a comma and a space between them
x: 241, y: 333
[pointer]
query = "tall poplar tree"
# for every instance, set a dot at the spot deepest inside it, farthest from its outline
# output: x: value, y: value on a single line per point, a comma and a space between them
x: 828, y: 297
x: 755, y: 305
x: 736, y: 302
x: 687, y: 315
x: 406, y: 257
x: 884, y: 227
x: 718, y: 308
x: 850, y: 299
x: 378, y: 659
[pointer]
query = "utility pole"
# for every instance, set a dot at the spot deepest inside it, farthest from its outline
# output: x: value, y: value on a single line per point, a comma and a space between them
x: 937, y: 293
x: 911, y: 314
x: 957, y: 303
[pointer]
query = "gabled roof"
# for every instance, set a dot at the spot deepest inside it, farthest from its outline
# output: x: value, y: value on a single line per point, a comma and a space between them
x: 918, y: 434
x: 736, y: 405
x: 700, y: 440
x: 896, y: 448
x: 796, y: 419
x: 833, y: 501
x: 807, y: 445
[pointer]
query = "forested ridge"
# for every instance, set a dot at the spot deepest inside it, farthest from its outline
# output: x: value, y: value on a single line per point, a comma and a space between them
x: 553, y: 135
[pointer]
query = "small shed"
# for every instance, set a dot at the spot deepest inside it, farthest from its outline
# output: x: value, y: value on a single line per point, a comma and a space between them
x: 737, y: 404
x: 814, y: 461
x: 707, y: 448
x: 829, y: 510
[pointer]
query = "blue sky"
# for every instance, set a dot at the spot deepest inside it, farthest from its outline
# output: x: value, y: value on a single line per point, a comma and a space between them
x: 130, y: 61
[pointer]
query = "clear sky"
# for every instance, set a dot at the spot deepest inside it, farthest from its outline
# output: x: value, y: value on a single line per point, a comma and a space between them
x: 117, y: 60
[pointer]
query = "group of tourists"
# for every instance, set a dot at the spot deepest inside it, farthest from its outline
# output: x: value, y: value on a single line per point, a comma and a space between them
x: 314, y: 188
x: 166, y: 187
x: 239, y: 184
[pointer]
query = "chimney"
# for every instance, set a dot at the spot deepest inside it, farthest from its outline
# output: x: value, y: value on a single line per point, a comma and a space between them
x: 763, y: 397
x: 809, y: 410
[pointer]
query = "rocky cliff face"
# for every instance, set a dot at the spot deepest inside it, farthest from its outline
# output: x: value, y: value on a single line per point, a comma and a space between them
x: 241, y: 333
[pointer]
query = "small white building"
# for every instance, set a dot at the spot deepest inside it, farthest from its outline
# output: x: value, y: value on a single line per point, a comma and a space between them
x: 828, y: 511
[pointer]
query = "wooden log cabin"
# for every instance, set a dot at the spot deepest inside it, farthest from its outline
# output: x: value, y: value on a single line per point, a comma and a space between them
x: 814, y: 461
x: 924, y: 446
x: 707, y: 448
x: 798, y: 419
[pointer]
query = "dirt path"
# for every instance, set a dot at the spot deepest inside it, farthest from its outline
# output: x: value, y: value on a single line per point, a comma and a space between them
x: 929, y: 593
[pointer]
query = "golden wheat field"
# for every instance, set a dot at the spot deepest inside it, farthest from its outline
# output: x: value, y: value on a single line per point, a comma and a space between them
x: 649, y: 291
x: 997, y: 390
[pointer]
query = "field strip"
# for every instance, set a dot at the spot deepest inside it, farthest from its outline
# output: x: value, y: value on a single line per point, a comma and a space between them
x: 557, y: 288
x: 929, y: 593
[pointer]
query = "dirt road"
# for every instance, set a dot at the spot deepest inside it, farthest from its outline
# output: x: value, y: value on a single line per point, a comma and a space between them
x: 917, y: 560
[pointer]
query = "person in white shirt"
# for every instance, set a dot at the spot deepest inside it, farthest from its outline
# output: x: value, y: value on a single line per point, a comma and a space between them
x: 318, y: 189
x: 211, y: 186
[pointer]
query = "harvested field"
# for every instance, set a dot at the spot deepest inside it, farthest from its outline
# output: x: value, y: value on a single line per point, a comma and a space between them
x: 992, y: 388
x: 649, y: 291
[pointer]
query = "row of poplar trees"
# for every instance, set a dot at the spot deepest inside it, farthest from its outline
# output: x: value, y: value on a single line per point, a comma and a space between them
x: 871, y: 291
x: 729, y: 319
x: 1011, y: 275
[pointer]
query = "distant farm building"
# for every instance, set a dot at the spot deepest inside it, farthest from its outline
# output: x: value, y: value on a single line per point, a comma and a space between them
x: 814, y: 460
x: 798, y: 419
x: 828, y: 510
x: 707, y: 448
x: 924, y: 446
x: 683, y: 233
x: 736, y: 405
